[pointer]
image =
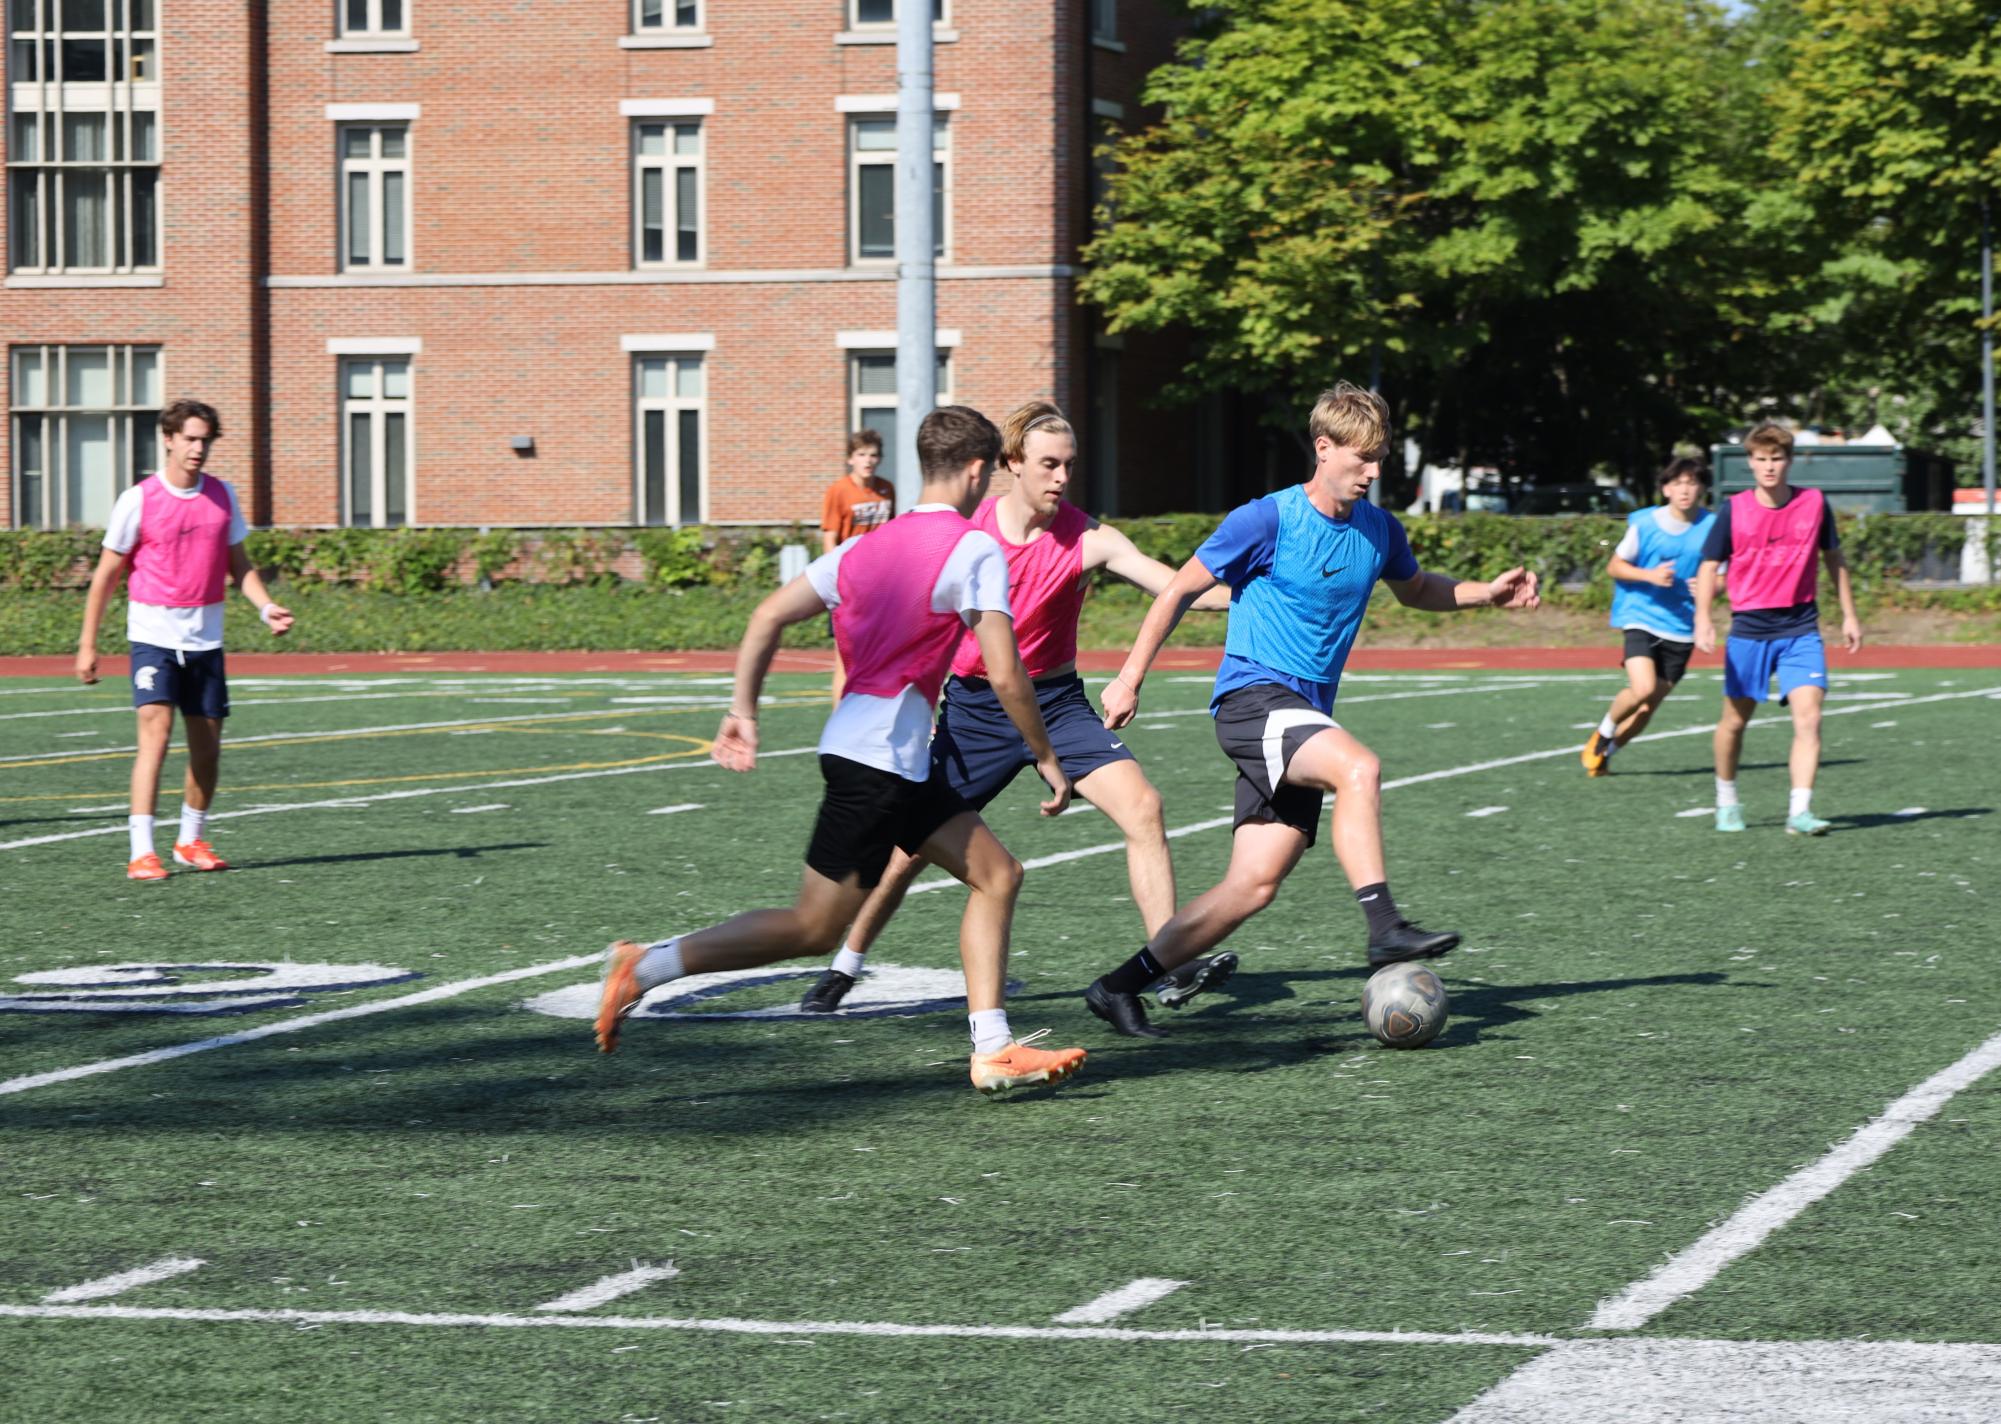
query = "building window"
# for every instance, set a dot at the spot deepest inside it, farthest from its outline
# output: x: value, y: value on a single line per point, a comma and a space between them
x: 867, y: 13
x: 372, y: 18
x: 374, y: 196
x: 1103, y: 472
x: 872, y: 188
x: 670, y: 479
x: 667, y: 17
x: 1104, y: 19
x: 667, y: 193
x: 85, y: 427
x: 375, y: 439
x: 872, y: 399
x: 83, y: 140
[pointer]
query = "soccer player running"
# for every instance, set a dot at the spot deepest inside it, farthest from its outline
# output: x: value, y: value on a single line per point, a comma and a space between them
x: 1653, y: 601
x: 1301, y: 565
x: 900, y: 600
x: 179, y: 535
x: 1768, y: 535
x: 1052, y: 547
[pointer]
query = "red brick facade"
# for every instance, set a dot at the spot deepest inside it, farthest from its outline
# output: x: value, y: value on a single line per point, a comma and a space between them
x: 521, y: 281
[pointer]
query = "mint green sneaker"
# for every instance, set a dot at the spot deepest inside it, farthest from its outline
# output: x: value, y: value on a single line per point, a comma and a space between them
x: 1729, y: 818
x: 1806, y: 824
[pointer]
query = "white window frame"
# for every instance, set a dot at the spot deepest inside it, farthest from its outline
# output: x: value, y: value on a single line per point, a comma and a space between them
x: 941, y: 14
x: 374, y: 169
x: 670, y: 164
x: 372, y: 27
x: 671, y: 407
x: 671, y: 21
x: 858, y: 159
x: 377, y: 407
x: 41, y: 185
x: 861, y: 405
x: 133, y: 425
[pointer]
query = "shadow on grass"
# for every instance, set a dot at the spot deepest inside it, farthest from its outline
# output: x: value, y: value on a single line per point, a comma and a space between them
x: 1873, y: 820
x: 354, y: 857
x: 1707, y: 769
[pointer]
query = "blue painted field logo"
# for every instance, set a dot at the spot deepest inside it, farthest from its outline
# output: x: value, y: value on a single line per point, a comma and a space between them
x: 233, y: 988
x: 884, y: 989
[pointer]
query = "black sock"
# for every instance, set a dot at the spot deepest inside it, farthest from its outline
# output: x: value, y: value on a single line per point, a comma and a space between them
x: 1379, y: 907
x: 1134, y: 975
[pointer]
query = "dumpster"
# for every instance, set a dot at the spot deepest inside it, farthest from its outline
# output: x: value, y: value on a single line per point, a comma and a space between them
x: 1857, y: 478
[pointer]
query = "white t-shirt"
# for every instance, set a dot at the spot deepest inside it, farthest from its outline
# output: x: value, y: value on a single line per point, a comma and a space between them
x: 894, y: 733
x: 193, y: 630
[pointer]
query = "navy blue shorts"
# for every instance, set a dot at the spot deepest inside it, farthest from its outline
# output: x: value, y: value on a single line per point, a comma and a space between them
x: 193, y: 682
x: 978, y: 751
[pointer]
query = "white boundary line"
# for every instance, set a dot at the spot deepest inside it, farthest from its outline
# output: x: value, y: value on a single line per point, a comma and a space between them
x: 1134, y: 1295
x: 161, y: 1270
x: 1689, y: 1270
x: 610, y: 1288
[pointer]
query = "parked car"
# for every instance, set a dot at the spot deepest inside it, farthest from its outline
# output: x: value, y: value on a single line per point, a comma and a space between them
x: 1575, y: 499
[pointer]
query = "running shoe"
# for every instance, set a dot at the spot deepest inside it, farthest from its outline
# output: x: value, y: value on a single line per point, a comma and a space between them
x: 1019, y: 1065
x: 145, y: 867
x: 1176, y: 987
x: 199, y: 854
x: 1596, y: 762
x: 1806, y: 824
x: 620, y: 992
x: 1408, y: 941
x: 1729, y: 818
x: 1123, y: 1012
x: 826, y: 995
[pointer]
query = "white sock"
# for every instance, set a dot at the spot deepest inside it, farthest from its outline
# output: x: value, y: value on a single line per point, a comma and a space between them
x: 849, y: 963
x: 1800, y: 802
x: 990, y: 1031
x: 660, y: 964
x: 141, y: 830
x: 193, y: 823
x: 1726, y: 792
x: 1607, y: 727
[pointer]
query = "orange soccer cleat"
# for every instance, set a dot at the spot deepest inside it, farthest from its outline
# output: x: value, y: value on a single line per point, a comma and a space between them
x: 1595, y: 759
x: 1018, y: 1065
x: 145, y: 867
x: 620, y: 993
x: 199, y: 854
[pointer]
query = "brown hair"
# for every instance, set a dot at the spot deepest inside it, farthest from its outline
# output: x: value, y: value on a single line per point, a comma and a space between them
x: 1027, y: 418
x: 952, y: 437
x: 863, y: 438
x: 1682, y: 465
x: 184, y: 410
x: 1771, y: 438
x: 1351, y: 416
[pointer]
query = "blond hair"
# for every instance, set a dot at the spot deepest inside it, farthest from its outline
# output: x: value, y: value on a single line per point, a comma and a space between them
x: 1775, y: 439
x: 1351, y: 416
x: 1027, y: 418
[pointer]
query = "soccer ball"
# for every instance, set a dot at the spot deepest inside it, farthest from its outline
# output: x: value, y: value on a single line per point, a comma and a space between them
x: 1404, y: 1005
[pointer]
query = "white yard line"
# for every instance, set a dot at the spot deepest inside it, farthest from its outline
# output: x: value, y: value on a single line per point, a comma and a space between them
x: 252, y: 702
x: 1689, y: 1270
x: 610, y: 1288
x: 676, y: 809
x: 730, y: 1326
x: 475, y: 810
x: 1135, y: 1295
x: 164, y: 1269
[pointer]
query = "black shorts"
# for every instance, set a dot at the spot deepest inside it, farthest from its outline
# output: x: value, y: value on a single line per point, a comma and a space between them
x: 1670, y: 658
x: 1261, y: 728
x: 978, y: 751
x: 866, y: 813
x: 196, y: 683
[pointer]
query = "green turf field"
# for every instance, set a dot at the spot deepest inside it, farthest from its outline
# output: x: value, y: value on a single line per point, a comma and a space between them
x: 324, y: 1138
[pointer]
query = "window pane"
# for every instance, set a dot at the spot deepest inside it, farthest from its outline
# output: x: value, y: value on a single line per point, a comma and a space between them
x: 357, y: 218
x: 652, y: 221
x: 875, y: 135
x: 25, y: 220
x: 360, y: 379
x: 395, y: 473
x: 28, y: 446
x: 652, y: 379
x: 938, y: 210
x: 21, y: 16
x: 355, y: 142
x: 883, y: 422
x: 87, y: 379
x: 86, y: 61
x: 360, y: 501
x: 84, y: 138
x: 875, y: 12
x: 688, y: 140
x: 357, y: 14
x: 145, y: 137
x: 653, y: 437
x: 139, y: 63
x: 650, y: 14
x: 688, y: 378
x: 136, y: 434
x: 393, y: 145
x: 687, y: 226
x: 26, y: 145
x: 22, y: 56
x: 875, y: 211
x: 652, y: 138
x: 875, y: 375
x: 689, y: 454
x: 392, y: 218
x: 392, y: 14
x: 687, y: 14
x: 146, y: 379
x: 81, y: 14
x: 146, y: 217
x: 87, y: 468
x: 29, y: 387
x: 142, y: 14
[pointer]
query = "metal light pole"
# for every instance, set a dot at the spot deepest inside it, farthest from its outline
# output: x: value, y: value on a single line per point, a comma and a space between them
x: 1987, y: 359
x: 916, y: 267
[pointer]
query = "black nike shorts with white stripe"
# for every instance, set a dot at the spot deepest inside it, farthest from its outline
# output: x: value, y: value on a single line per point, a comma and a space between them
x: 1261, y: 728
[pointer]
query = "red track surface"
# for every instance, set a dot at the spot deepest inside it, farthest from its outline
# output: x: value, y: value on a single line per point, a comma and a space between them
x: 1940, y: 655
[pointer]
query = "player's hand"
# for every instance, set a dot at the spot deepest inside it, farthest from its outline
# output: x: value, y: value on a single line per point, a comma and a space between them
x: 735, y: 747
x: 1662, y: 576
x: 1851, y: 634
x: 1120, y: 701
x: 277, y: 619
x: 1705, y: 636
x: 1514, y: 589
x: 1051, y: 771
x: 86, y: 666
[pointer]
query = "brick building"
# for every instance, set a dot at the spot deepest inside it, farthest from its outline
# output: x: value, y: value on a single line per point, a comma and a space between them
x: 601, y: 262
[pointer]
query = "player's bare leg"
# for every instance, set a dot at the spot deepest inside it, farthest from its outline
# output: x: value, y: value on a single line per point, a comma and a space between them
x: 1631, y: 710
x: 155, y: 730
x: 1728, y: 745
x: 832, y: 986
x: 204, y: 744
x: 1805, y: 705
x: 1121, y: 790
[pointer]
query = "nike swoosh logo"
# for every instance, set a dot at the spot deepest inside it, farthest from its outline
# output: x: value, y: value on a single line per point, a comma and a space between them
x: 1329, y: 573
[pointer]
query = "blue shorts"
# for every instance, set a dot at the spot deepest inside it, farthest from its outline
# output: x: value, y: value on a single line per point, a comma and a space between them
x: 193, y: 682
x: 978, y: 751
x: 1749, y: 665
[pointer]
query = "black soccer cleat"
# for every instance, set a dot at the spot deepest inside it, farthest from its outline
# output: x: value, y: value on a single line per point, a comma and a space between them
x: 1176, y: 987
x: 825, y: 996
x: 1123, y: 1012
x: 1407, y: 941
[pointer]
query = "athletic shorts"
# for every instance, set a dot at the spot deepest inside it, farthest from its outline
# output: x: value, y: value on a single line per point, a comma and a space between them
x: 1750, y: 664
x: 1670, y: 658
x: 866, y: 812
x: 1261, y: 728
x: 978, y: 751
x: 193, y: 682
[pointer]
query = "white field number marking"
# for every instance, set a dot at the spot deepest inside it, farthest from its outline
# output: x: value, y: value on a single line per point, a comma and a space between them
x: 1135, y: 1295
x: 882, y: 989
x: 1487, y: 811
x: 174, y: 988
x: 105, y: 1286
x: 611, y: 1288
x: 676, y: 809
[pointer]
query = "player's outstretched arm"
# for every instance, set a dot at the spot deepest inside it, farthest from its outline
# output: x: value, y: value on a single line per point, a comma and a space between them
x: 1705, y: 603
x: 1844, y: 589
x: 1109, y: 548
x: 1120, y: 698
x: 736, y: 740
x: 1439, y: 593
x: 111, y: 566
x: 276, y: 618
x: 1016, y: 693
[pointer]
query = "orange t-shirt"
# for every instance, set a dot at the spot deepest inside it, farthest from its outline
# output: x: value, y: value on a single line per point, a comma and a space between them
x: 850, y: 509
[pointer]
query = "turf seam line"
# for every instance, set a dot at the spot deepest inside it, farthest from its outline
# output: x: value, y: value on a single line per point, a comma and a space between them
x: 161, y: 1270
x: 1694, y: 1267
